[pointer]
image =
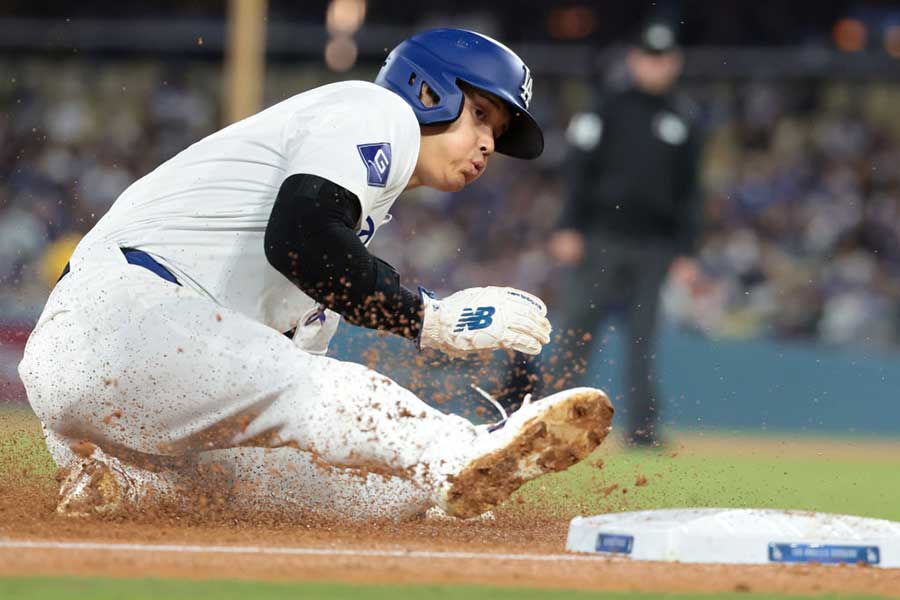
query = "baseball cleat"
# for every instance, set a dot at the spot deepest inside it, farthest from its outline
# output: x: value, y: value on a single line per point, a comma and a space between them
x: 96, y: 485
x: 545, y: 436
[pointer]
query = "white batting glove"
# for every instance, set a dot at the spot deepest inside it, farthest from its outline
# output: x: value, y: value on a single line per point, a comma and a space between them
x: 484, y: 318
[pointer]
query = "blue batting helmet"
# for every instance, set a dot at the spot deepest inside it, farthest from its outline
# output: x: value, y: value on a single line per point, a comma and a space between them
x: 444, y: 57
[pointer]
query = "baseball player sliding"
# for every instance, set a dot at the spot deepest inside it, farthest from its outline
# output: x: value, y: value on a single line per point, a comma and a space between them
x: 191, y: 323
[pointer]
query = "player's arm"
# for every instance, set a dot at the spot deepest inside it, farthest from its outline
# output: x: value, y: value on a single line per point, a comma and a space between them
x: 311, y: 240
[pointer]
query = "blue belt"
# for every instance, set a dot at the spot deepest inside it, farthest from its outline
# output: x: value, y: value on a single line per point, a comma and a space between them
x: 142, y: 259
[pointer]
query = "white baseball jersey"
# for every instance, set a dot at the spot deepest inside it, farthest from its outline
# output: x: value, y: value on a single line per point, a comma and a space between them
x: 203, y: 213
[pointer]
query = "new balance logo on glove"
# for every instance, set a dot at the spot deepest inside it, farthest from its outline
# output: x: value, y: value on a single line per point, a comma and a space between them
x: 483, y: 318
x: 475, y: 318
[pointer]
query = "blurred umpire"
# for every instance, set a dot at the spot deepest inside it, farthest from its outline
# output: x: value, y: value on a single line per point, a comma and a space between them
x: 632, y: 210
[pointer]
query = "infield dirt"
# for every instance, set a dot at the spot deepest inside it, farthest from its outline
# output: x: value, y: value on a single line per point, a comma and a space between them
x: 28, y: 499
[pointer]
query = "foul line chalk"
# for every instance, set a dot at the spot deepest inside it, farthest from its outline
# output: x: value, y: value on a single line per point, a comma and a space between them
x: 281, y: 551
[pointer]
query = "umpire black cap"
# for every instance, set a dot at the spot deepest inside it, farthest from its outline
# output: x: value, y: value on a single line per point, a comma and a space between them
x: 657, y: 37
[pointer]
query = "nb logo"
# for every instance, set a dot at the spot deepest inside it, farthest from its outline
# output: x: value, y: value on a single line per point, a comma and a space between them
x: 475, y: 318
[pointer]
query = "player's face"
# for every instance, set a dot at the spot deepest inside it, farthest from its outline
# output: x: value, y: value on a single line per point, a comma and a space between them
x: 654, y: 73
x: 452, y: 156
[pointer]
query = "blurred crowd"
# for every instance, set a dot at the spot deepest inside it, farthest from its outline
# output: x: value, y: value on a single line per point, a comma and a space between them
x: 802, y: 217
x: 73, y: 136
x: 801, y: 185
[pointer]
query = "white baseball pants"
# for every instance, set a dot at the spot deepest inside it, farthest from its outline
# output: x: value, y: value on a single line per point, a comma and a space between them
x: 153, y: 372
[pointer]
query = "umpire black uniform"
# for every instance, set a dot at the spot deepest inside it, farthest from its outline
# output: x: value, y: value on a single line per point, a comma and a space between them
x: 634, y: 207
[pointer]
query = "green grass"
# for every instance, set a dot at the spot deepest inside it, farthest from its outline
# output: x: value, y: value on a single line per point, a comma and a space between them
x: 110, y: 589
x: 858, y: 487
x: 22, y: 446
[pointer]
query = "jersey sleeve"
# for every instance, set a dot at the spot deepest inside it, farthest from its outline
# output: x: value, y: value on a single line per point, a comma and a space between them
x: 366, y: 142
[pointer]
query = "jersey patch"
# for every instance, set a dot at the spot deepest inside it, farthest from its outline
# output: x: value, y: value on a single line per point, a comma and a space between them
x: 377, y: 158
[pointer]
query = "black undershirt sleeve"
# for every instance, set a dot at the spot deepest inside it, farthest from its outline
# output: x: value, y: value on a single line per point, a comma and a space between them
x: 311, y: 240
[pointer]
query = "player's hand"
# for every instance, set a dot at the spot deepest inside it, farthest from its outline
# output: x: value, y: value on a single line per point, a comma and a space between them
x: 484, y: 318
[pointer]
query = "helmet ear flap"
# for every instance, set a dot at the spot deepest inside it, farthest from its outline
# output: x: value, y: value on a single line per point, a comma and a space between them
x: 406, y: 73
x: 426, y: 95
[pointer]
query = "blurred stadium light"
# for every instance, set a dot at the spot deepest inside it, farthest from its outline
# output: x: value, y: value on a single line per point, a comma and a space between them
x: 345, y: 16
x: 892, y: 40
x: 342, y: 20
x: 850, y: 35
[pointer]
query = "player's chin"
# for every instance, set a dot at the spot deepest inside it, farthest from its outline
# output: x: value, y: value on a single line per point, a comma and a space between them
x: 455, y: 182
x: 469, y: 176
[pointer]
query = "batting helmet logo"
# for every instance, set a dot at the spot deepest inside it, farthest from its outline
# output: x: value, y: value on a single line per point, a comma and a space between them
x: 525, y: 94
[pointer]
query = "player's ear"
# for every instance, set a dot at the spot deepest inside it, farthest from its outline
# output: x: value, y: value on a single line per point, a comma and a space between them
x: 427, y: 96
